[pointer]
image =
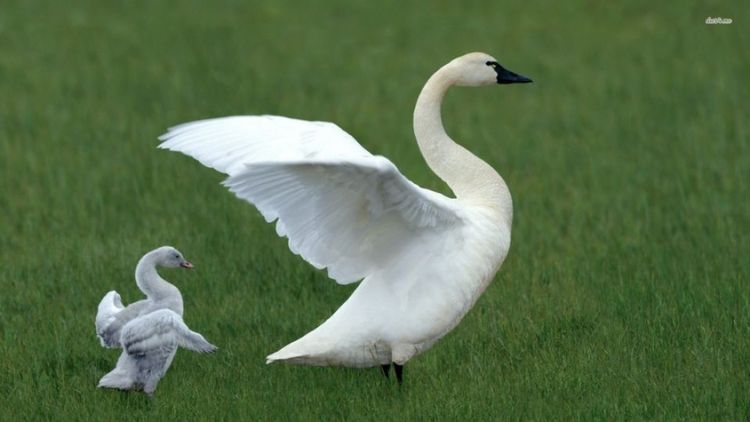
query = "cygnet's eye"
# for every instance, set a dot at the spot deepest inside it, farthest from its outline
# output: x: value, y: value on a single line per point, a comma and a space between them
x: 177, y: 256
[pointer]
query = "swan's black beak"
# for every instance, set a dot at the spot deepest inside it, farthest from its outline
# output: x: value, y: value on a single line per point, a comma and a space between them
x: 187, y: 265
x: 505, y: 76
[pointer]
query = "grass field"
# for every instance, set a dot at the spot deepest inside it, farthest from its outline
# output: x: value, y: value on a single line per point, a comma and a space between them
x: 625, y: 294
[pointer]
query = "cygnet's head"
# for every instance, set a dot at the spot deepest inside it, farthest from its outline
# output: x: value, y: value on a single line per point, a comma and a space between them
x: 169, y: 257
x: 477, y: 69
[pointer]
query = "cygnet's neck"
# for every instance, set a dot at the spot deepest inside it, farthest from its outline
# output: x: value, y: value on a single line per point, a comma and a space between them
x: 151, y: 284
x: 470, y: 178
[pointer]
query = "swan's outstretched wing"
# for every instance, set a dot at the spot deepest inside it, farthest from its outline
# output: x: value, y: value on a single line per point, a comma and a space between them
x: 227, y: 144
x: 161, y: 330
x: 340, y: 206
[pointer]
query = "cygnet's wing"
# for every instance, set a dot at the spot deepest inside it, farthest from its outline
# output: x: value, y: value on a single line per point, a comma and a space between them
x: 341, y: 207
x: 112, y: 317
x: 110, y: 305
x: 160, y: 331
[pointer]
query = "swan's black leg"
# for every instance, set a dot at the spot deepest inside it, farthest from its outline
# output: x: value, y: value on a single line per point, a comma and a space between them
x: 399, y: 373
x: 386, y: 370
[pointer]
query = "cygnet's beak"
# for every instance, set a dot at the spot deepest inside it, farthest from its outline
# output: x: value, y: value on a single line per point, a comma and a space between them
x: 187, y: 265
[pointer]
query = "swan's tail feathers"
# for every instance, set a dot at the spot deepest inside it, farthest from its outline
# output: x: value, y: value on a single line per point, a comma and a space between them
x: 302, y: 352
x: 123, y: 376
x: 117, y: 379
x: 285, y: 356
x: 318, y: 349
x: 109, y: 306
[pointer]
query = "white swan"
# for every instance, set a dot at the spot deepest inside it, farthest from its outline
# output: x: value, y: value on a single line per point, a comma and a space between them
x: 424, y: 258
x: 150, y: 330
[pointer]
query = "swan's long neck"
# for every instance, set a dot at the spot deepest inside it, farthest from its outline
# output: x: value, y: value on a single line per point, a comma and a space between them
x: 149, y: 281
x: 470, y: 178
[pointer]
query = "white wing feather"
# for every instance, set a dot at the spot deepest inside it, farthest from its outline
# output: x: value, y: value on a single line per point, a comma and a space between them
x: 340, y: 206
x: 227, y: 144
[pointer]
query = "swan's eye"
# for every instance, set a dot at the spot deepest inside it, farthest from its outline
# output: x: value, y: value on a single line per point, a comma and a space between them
x: 493, y: 65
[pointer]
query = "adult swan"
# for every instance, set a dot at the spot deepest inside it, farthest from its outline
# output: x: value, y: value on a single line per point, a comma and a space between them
x: 423, y: 258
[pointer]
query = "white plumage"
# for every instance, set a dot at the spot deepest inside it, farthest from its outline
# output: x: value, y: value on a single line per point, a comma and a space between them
x: 423, y: 258
x: 149, y: 331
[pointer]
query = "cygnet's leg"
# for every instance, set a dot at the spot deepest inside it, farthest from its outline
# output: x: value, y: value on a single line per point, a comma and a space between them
x: 150, y: 385
x: 399, y: 373
x: 155, y: 366
x: 386, y: 369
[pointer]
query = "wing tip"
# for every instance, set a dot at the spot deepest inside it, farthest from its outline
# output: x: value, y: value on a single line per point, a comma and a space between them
x: 209, y: 348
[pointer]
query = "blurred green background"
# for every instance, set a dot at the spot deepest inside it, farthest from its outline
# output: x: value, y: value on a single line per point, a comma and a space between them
x: 625, y: 294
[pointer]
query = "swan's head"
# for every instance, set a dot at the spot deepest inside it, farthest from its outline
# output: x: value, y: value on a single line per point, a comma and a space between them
x: 169, y: 257
x: 478, y: 69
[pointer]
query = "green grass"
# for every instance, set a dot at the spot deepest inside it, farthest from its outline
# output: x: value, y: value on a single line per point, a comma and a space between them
x: 625, y: 294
